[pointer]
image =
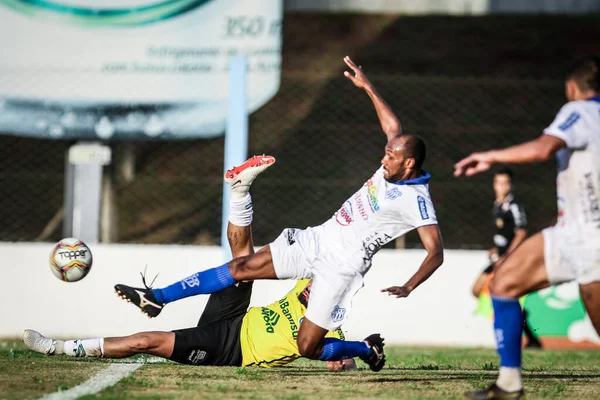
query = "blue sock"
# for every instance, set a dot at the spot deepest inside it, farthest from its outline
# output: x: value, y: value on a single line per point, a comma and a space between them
x: 508, y: 326
x: 209, y: 281
x: 336, y: 349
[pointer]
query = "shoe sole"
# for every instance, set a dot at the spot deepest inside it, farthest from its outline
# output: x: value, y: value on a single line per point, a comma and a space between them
x: 252, y: 162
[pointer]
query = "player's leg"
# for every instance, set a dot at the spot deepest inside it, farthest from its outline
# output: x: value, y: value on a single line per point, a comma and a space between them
x: 590, y: 294
x: 230, y: 302
x: 154, y: 343
x: 329, y: 303
x: 313, y: 344
x: 244, y: 268
x: 532, y: 341
x: 521, y: 273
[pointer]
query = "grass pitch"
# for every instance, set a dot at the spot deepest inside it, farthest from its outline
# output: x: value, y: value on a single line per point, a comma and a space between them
x: 411, y: 373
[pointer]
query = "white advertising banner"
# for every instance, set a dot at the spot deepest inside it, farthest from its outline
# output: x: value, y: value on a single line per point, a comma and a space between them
x: 132, y: 69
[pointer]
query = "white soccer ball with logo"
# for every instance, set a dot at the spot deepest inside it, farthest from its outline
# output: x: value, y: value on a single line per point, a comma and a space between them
x: 70, y: 260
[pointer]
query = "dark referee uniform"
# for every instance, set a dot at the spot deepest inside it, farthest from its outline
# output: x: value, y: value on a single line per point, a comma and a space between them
x: 508, y: 216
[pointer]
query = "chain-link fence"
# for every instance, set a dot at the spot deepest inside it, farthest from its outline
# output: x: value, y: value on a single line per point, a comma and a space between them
x: 326, y: 137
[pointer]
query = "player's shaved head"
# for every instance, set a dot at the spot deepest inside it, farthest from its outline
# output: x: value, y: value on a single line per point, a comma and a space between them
x: 585, y: 72
x: 411, y: 146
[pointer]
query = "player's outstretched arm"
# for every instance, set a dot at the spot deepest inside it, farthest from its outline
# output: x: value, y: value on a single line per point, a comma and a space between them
x: 540, y: 149
x: 432, y: 241
x: 389, y: 122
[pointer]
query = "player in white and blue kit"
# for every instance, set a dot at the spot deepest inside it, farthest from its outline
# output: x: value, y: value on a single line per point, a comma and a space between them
x: 567, y: 251
x: 336, y: 254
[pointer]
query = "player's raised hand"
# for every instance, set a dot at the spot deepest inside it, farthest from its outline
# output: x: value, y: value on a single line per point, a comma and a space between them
x: 474, y: 164
x: 358, y: 78
x: 398, y: 291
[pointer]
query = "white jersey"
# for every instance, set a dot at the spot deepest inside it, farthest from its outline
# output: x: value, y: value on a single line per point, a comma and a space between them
x: 379, y: 212
x: 578, y: 180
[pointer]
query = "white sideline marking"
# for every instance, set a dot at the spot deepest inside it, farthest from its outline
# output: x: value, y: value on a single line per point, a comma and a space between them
x: 103, y: 379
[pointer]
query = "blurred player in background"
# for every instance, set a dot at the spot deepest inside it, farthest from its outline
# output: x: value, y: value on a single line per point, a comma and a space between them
x: 567, y: 251
x: 338, y: 253
x: 228, y: 333
x: 510, y: 222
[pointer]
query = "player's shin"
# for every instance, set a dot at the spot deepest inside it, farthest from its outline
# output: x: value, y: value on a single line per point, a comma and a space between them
x: 336, y: 349
x: 508, y: 328
x: 82, y: 347
x: 204, y: 282
x: 241, y: 211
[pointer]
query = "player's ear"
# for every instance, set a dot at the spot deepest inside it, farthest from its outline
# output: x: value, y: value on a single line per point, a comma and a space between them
x: 410, y: 163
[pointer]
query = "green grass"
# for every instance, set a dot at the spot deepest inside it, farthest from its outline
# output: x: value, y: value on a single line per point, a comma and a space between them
x: 411, y: 373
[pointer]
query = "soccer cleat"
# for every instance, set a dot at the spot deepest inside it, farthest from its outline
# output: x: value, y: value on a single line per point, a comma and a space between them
x: 142, y: 298
x: 494, y: 392
x: 376, y: 360
x: 39, y: 343
x: 244, y: 174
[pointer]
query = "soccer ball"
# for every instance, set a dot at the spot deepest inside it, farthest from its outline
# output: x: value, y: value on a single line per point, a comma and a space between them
x: 70, y: 260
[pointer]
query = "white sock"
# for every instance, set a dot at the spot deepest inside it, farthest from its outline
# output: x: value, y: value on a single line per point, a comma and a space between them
x: 240, y: 210
x: 509, y: 379
x: 84, y: 347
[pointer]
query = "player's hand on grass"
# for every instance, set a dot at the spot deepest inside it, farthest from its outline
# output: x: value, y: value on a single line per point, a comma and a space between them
x: 474, y: 164
x: 359, y: 78
x: 335, y: 365
x: 398, y: 291
x: 347, y: 364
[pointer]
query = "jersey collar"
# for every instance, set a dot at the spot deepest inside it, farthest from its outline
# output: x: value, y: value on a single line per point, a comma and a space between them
x: 507, y: 199
x: 421, y: 180
x: 595, y: 98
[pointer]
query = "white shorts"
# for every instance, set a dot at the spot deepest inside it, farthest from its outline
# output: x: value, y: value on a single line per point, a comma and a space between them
x: 299, y: 254
x: 571, y: 257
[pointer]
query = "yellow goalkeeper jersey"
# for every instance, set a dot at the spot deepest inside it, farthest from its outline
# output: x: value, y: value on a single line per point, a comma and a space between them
x: 269, y: 333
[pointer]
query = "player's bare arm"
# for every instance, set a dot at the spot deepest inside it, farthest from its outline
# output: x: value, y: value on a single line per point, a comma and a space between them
x: 520, y: 235
x: 389, y: 122
x: 537, y: 150
x: 432, y: 241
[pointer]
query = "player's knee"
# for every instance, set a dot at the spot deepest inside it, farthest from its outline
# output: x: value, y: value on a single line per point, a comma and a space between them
x: 239, y: 268
x: 140, y: 343
x: 307, y: 349
x: 503, y: 285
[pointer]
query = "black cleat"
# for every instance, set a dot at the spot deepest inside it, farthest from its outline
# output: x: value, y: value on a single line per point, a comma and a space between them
x: 142, y: 298
x: 494, y: 392
x: 376, y: 361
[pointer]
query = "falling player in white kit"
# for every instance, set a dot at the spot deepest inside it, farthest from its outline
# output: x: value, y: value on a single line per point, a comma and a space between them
x: 336, y: 254
x: 568, y: 251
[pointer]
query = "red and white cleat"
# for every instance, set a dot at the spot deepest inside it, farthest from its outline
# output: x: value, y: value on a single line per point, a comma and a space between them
x: 243, y: 175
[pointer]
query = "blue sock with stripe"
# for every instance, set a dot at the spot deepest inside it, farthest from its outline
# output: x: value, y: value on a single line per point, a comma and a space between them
x: 336, y: 349
x: 508, y: 326
x: 204, y: 282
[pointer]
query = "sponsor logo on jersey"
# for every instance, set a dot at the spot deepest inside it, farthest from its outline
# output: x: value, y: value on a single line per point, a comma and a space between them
x: 372, y: 244
x: 371, y: 195
x: 422, y: 207
x: 271, y: 319
x: 291, y: 234
x: 338, y: 314
x: 361, y: 207
x: 591, y: 210
x: 284, y: 304
x: 499, y: 223
x: 344, y: 214
x: 393, y: 194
